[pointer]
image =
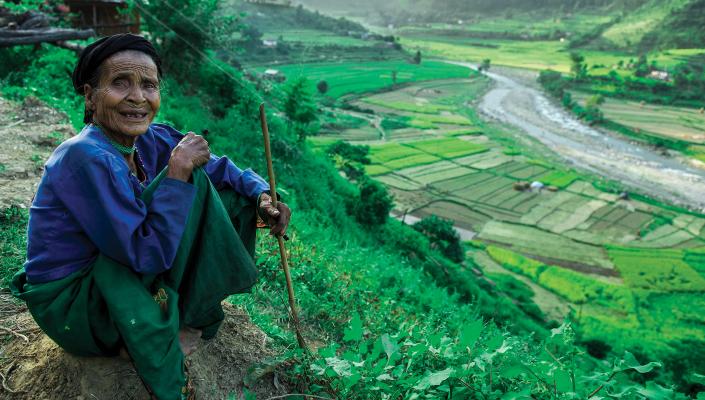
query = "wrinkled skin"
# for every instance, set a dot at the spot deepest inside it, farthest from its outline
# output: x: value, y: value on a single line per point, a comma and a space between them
x: 127, y: 97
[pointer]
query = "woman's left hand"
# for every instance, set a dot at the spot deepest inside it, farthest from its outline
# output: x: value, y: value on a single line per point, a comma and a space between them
x: 277, y: 218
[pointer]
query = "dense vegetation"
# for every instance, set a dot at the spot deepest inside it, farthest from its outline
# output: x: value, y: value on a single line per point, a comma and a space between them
x: 396, y: 311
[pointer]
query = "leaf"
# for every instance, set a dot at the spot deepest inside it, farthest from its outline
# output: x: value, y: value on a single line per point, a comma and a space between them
x: 341, y: 367
x: 512, y: 371
x: 654, y: 391
x: 563, y: 382
x: 354, y: 332
x: 249, y: 395
x: 630, y: 362
x: 389, y: 346
x: 494, y: 343
x: 524, y: 394
x: 434, y: 379
x: 698, y: 378
x: 504, y: 348
x: 470, y: 333
x: 385, y: 377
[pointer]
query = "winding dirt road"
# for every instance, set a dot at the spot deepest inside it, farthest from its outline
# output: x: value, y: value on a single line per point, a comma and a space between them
x: 642, y: 169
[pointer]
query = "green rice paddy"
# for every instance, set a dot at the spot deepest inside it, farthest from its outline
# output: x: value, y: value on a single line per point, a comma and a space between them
x: 359, y: 77
x: 612, y: 259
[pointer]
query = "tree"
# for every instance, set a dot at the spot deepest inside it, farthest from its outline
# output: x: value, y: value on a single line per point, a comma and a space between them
x: 442, y: 235
x: 350, y: 152
x: 322, y: 87
x: 417, y: 57
x: 181, y: 30
x: 394, y: 77
x: 485, y: 65
x: 251, y: 36
x: 300, y: 108
x: 592, y: 112
x: 553, y: 82
x: 374, y: 204
x: 642, y: 68
x: 578, y: 66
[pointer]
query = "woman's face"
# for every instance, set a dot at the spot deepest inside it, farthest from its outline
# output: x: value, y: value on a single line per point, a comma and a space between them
x: 127, y: 97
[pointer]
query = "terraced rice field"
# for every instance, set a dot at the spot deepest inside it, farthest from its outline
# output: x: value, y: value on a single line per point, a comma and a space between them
x: 623, y: 263
x: 313, y: 36
x: 348, y: 78
x: 678, y: 123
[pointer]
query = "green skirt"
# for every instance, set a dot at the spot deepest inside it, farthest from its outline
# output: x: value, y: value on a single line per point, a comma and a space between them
x: 106, y: 305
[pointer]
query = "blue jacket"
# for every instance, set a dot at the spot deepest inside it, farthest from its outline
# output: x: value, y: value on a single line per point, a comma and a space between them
x: 88, y: 202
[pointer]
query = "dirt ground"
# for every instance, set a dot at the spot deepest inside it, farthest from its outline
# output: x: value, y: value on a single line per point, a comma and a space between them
x: 33, y: 367
x: 28, y: 134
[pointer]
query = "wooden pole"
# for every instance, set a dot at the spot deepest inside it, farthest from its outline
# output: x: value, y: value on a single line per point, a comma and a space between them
x: 282, y: 248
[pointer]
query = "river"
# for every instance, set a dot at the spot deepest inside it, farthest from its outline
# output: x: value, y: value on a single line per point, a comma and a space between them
x: 513, y: 101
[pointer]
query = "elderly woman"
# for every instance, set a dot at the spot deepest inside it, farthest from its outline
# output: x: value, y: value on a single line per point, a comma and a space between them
x: 137, y: 233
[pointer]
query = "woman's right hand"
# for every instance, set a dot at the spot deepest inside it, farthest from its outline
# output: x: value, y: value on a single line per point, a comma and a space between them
x: 191, y: 152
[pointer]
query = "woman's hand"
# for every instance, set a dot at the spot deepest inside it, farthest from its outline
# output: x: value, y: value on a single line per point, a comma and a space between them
x: 277, y: 218
x: 191, y: 152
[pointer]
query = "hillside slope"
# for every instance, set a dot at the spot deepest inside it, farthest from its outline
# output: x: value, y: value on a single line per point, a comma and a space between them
x: 682, y: 28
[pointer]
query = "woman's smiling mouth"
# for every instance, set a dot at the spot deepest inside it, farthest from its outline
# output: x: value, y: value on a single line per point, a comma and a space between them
x: 134, y: 115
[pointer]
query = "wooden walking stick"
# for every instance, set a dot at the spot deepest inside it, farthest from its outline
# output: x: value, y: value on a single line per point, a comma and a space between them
x: 282, y: 248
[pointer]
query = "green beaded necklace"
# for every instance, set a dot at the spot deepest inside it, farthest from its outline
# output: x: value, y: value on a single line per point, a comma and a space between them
x: 121, y: 148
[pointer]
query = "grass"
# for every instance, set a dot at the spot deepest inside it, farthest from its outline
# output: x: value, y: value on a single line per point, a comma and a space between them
x: 534, y: 241
x: 360, y: 77
x: 549, y: 238
x: 13, y: 242
x: 411, y: 160
x: 679, y: 123
x: 516, y: 262
x: 448, y: 147
x: 390, y: 151
x: 558, y: 178
x: 404, y: 106
x: 536, y: 55
x: 314, y: 37
x: 395, y: 156
x: 574, y: 286
x: 632, y: 28
x: 580, y: 288
x: 435, y: 172
x: 655, y: 270
x: 376, y: 169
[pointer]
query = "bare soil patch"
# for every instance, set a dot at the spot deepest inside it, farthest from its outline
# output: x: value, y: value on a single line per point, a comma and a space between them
x: 33, y: 367
x: 28, y: 134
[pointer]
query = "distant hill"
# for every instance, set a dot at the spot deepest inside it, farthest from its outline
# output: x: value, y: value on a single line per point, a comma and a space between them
x: 269, y: 16
x: 640, y: 24
x: 682, y: 28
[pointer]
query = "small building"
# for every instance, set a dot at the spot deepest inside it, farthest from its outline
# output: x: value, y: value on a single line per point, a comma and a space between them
x: 274, y: 75
x: 660, y: 75
x: 106, y: 17
x: 269, y: 43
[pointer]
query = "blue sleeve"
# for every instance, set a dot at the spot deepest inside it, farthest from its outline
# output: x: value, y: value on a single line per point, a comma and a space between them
x: 225, y: 174
x: 222, y: 172
x: 100, y: 196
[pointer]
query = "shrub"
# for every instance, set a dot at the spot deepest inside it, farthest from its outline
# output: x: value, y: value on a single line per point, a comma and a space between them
x: 442, y: 235
x: 374, y: 204
x: 553, y: 82
x: 350, y: 152
x: 322, y: 87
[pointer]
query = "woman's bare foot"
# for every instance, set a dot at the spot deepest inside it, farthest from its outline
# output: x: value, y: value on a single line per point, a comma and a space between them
x: 188, y: 339
x: 124, y: 354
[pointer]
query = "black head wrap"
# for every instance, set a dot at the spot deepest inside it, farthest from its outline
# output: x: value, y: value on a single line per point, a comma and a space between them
x: 95, y: 53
